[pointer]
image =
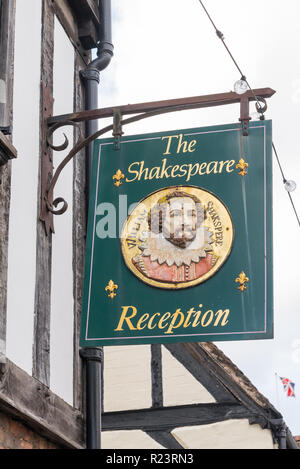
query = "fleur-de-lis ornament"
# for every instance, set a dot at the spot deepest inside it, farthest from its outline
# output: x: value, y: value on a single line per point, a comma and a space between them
x: 111, y: 287
x: 118, y: 176
x: 242, y: 279
x: 242, y: 165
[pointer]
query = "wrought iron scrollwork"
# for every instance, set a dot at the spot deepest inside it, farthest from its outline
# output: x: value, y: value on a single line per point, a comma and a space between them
x: 50, y: 203
x: 53, y: 129
x: 261, y: 109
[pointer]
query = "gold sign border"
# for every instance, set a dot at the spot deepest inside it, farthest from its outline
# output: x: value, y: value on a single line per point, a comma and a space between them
x: 179, y: 285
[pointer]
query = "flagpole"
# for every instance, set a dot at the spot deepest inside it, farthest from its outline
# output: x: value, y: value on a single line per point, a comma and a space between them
x: 277, y: 393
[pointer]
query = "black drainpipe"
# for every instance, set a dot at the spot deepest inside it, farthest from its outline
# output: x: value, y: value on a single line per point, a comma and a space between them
x: 279, y: 431
x: 91, y: 77
x: 94, y: 356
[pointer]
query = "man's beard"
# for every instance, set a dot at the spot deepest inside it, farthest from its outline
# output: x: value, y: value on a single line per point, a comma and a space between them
x: 181, y: 237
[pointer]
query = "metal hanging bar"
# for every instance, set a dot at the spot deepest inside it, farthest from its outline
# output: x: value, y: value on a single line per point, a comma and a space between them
x: 195, y: 102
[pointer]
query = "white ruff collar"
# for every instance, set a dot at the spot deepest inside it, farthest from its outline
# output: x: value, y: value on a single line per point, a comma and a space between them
x: 163, y: 251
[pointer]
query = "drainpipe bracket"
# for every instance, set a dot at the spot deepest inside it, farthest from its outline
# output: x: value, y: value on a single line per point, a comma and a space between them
x: 92, y: 354
x: 105, y: 47
x: 279, y: 431
x: 90, y: 73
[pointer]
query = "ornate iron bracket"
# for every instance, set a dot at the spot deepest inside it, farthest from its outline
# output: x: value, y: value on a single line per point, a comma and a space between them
x: 142, y: 111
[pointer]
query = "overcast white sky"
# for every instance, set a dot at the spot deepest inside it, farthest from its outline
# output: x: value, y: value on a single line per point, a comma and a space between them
x: 168, y: 49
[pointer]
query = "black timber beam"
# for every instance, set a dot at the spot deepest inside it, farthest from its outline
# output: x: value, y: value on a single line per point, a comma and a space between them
x: 156, y: 376
x: 217, y: 365
x: 166, y: 418
x: 165, y: 439
x: 87, y: 16
x: 26, y: 399
x: 202, y: 372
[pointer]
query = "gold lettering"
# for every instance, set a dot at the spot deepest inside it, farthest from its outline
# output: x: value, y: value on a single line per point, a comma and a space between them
x: 193, y: 169
x: 219, y: 314
x: 142, y: 171
x: 164, y: 318
x: 184, y: 146
x: 164, y: 170
x: 173, y: 324
x: 169, y: 137
x: 131, y: 243
x: 182, y: 170
x: 221, y: 164
x: 181, y: 144
x: 191, y: 146
x: 169, y: 321
x: 202, y: 167
x: 174, y: 169
x: 197, y: 315
x: 213, y: 169
x: 151, y: 321
x: 154, y: 173
x: 127, y: 319
x: 136, y: 172
x: 203, y: 324
x: 229, y: 166
x: 189, y: 313
x: 142, y: 319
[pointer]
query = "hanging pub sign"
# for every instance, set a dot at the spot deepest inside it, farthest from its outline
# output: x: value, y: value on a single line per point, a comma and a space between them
x: 179, y: 244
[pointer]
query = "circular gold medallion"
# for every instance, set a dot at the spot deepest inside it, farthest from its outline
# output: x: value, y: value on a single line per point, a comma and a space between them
x: 177, y: 237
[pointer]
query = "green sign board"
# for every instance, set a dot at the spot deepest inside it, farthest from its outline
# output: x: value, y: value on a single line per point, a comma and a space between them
x: 179, y: 244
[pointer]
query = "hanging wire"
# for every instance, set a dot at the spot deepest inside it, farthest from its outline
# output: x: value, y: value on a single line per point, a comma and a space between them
x: 258, y: 104
x: 284, y: 181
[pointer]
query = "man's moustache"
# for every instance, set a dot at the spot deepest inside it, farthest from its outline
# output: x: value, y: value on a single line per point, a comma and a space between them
x: 184, y: 233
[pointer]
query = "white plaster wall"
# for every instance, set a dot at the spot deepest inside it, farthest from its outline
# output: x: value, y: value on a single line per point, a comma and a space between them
x: 24, y: 185
x: 61, y: 331
x: 179, y: 385
x: 128, y: 439
x: 231, y: 434
x: 127, y: 378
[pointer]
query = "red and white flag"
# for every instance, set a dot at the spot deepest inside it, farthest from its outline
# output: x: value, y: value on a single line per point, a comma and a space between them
x: 288, y: 386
